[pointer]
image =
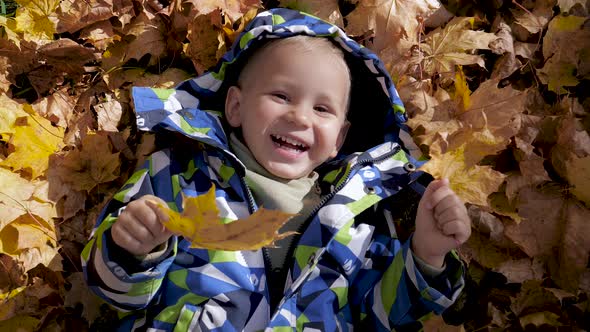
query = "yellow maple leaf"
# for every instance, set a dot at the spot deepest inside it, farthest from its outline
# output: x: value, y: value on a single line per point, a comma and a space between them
x: 472, y: 184
x: 200, y: 224
x: 34, y: 141
x: 36, y: 19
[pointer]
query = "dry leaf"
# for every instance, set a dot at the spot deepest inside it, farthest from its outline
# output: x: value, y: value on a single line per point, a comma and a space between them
x: 36, y: 19
x: 234, y: 8
x: 200, y: 224
x: 473, y: 184
x: 565, y: 47
x: 389, y: 20
x: 75, y: 15
x: 93, y: 164
x: 34, y: 141
x: 327, y: 10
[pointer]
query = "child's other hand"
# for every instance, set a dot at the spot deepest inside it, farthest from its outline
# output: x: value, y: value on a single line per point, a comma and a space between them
x: 139, y: 228
x: 442, y: 223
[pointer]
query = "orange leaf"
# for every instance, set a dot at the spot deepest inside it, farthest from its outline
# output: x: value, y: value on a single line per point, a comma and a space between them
x: 200, y: 223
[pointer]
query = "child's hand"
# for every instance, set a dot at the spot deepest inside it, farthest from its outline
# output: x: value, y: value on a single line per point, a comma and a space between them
x: 442, y: 223
x: 139, y: 228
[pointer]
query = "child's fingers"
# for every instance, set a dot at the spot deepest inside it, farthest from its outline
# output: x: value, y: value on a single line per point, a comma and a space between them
x: 431, y: 189
x: 156, y: 207
x: 440, y: 194
x: 450, y: 207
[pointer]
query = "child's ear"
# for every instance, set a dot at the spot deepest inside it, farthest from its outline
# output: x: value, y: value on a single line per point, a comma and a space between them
x: 341, y: 138
x: 232, y: 106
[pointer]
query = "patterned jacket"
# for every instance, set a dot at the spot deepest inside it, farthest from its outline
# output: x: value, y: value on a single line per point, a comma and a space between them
x: 349, y: 269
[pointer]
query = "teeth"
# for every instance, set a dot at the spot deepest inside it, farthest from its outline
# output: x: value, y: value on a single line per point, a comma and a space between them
x: 290, y: 141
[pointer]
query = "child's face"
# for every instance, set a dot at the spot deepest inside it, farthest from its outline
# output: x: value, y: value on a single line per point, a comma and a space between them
x: 292, y: 108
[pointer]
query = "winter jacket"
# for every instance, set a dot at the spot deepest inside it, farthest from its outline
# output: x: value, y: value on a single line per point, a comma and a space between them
x: 349, y: 269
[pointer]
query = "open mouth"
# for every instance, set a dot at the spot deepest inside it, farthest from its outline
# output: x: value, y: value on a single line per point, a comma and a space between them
x: 289, y: 143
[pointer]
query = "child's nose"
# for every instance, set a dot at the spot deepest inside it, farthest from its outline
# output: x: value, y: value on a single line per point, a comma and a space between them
x: 300, y: 115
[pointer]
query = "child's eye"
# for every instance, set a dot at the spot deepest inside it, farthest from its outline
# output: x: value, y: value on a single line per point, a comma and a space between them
x: 280, y: 96
x: 321, y: 109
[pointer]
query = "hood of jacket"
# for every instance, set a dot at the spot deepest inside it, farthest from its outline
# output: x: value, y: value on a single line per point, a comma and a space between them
x: 195, y: 107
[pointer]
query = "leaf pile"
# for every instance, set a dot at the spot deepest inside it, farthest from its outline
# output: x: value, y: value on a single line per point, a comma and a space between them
x: 497, y: 97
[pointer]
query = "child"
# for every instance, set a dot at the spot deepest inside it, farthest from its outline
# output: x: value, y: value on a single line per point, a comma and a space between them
x: 291, y: 135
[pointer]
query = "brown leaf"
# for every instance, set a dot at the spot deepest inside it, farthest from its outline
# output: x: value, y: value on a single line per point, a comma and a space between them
x: 327, y: 10
x: 234, y: 9
x: 109, y: 114
x: 479, y: 248
x: 533, y: 298
x: 574, y: 251
x: 564, y: 48
x: 92, y: 164
x: 203, y: 44
x: 11, y: 274
x: 536, y: 19
x: 521, y: 270
x: 80, y: 293
x: 540, y: 230
x: 75, y: 15
x: 58, y: 107
x: 100, y: 35
x: 390, y: 21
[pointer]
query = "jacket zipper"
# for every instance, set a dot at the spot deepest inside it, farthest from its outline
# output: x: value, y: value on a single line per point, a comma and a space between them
x: 359, y: 164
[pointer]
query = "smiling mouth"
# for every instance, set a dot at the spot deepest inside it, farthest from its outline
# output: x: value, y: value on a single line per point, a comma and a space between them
x: 289, y: 143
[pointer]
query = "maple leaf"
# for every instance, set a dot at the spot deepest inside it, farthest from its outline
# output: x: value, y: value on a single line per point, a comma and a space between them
x: 232, y: 8
x: 74, y: 15
x: 204, y: 41
x: 327, y: 10
x: 58, y: 107
x: 10, y: 110
x: 14, y: 191
x: 390, y: 20
x: 80, y: 293
x: 565, y: 48
x: 553, y: 221
x: 472, y: 184
x: 8, y: 30
x: 34, y: 141
x: 141, y: 77
x: 109, y: 114
x: 36, y: 19
x: 94, y: 163
x: 535, y: 20
x: 446, y: 47
x: 199, y: 223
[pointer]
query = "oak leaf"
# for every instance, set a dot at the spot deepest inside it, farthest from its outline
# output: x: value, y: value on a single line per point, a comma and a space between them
x: 200, y: 224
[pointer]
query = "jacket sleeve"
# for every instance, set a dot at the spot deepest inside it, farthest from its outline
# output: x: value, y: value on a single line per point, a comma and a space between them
x: 112, y: 273
x: 390, y: 292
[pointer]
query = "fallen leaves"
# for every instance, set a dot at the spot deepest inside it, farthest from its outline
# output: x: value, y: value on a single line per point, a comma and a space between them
x: 199, y: 223
x: 498, y: 106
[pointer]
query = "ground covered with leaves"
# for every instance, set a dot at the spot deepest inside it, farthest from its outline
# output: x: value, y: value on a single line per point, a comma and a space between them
x: 497, y: 93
